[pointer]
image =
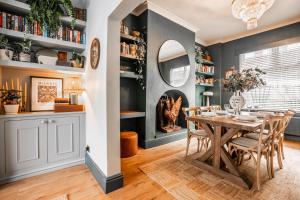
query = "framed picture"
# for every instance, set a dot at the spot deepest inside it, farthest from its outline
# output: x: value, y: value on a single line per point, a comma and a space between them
x: 95, y: 53
x: 43, y: 92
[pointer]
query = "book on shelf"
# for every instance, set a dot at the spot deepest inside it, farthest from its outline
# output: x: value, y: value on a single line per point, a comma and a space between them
x: 21, y: 24
x: 80, y: 14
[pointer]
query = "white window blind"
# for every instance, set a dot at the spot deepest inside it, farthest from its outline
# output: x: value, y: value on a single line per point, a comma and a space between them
x: 282, y: 67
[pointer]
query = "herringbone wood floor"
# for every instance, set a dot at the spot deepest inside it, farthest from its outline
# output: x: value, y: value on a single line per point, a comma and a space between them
x: 78, y: 183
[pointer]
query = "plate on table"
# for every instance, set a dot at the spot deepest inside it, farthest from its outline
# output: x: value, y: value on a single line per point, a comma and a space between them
x: 208, y: 114
x: 261, y: 114
x: 221, y: 112
x: 246, y: 118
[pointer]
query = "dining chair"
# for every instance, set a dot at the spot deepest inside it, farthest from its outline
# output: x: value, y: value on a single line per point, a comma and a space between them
x: 194, y: 130
x: 288, y: 115
x: 260, y: 147
x: 214, y: 108
x: 277, y: 140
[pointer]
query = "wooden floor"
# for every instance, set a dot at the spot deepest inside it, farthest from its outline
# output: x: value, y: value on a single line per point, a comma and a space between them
x: 78, y: 183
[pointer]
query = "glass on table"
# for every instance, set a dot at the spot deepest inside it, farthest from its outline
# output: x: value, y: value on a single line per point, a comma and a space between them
x: 227, y: 107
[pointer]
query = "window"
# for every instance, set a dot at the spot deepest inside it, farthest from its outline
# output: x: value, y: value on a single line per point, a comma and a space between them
x: 282, y: 67
x: 177, y: 74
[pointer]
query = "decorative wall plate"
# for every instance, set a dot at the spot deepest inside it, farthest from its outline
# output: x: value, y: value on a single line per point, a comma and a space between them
x: 95, y: 53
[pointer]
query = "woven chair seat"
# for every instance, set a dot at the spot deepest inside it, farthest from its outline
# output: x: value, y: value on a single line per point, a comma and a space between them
x: 255, y: 136
x: 245, y: 142
x: 266, y: 131
x: 201, y: 133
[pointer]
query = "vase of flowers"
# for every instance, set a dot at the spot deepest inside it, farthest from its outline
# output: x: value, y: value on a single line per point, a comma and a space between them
x: 11, y: 100
x: 239, y: 82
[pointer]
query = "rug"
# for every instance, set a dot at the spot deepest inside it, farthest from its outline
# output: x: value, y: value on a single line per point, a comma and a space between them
x: 63, y: 197
x: 186, y: 181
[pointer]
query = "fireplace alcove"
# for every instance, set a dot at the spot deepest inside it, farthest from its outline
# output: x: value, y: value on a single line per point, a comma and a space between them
x: 161, y: 120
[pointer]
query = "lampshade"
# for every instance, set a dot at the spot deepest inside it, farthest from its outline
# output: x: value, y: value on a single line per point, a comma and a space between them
x: 250, y: 11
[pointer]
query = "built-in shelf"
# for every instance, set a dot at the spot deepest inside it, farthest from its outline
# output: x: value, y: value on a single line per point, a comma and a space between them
x: 41, y: 67
x: 38, y: 114
x: 131, y: 114
x: 128, y: 57
x: 44, y: 41
x: 125, y: 74
x: 204, y: 85
x: 129, y: 38
x: 206, y: 62
x: 205, y: 73
x: 23, y: 9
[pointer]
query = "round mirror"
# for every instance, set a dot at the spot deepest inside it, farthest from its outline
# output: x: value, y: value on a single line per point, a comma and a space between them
x: 173, y: 63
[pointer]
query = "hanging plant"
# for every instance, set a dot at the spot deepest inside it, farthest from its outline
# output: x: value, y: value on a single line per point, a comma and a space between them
x: 141, y: 60
x: 48, y: 12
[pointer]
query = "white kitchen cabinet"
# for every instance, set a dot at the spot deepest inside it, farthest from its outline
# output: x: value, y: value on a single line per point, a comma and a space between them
x: 41, y: 142
x: 25, y: 145
x: 63, y: 138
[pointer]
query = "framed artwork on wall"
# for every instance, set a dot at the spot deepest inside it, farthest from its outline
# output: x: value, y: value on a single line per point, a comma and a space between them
x: 43, y: 92
x: 95, y: 53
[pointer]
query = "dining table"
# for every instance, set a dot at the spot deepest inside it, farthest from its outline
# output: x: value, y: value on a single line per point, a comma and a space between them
x: 220, y: 129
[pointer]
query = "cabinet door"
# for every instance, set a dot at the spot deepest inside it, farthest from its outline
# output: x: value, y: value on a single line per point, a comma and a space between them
x: 63, y: 138
x: 25, y: 145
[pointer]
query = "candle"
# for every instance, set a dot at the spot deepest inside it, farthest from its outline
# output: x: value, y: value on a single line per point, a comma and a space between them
x: 6, y: 85
x: 18, y: 84
x: 12, y: 84
x: 22, y: 96
x: 25, y: 94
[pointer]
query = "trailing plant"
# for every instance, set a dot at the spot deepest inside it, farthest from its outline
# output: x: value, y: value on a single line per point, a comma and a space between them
x: 141, y: 60
x: 10, y: 97
x: 24, y: 46
x: 247, y: 79
x: 48, y: 12
x: 77, y: 57
x: 198, y: 54
x: 3, y: 41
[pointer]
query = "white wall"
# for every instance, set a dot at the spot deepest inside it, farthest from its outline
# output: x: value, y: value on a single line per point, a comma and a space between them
x: 96, y: 87
x: 103, y: 84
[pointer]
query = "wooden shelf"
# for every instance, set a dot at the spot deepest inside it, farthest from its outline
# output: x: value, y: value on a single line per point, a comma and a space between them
x: 44, y: 41
x: 41, y: 67
x: 131, y: 114
x: 128, y: 57
x: 23, y: 9
x: 205, y: 73
x: 204, y: 85
x: 125, y: 74
x: 206, y: 62
x: 130, y: 38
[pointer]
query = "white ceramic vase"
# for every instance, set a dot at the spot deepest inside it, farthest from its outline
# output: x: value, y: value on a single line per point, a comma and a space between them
x: 24, y: 57
x: 11, y: 109
x: 6, y: 54
x: 237, y: 102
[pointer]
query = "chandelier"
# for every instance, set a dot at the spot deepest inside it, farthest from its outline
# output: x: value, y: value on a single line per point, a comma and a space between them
x: 250, y: 11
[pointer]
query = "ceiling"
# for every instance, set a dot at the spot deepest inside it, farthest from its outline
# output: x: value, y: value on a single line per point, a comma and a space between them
x: 213, y: 22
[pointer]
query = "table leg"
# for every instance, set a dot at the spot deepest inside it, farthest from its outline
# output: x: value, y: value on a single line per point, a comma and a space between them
x: 217, y: 147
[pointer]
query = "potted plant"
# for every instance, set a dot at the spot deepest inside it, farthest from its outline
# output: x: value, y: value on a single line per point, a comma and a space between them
x: 238, y: 82
x: 24, y: 50
x: 11, y: 100
x: 5, y: 52
x: 77, y: 60
x: 48, y: 13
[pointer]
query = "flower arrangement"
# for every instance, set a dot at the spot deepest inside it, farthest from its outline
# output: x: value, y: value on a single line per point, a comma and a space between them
x: 10, y: 97
x: 243, y: 81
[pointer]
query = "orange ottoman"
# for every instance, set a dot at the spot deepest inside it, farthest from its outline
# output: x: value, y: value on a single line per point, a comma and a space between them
x: 129, y: 144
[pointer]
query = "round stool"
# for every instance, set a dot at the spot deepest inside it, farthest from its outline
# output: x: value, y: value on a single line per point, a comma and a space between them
x: 129, y: 144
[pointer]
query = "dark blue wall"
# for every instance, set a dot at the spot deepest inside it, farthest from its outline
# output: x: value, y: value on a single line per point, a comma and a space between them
x: 159, y: 30
x: 226, y: 55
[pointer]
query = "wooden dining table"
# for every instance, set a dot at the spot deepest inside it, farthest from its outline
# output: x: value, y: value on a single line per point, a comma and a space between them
x: 220, y: 130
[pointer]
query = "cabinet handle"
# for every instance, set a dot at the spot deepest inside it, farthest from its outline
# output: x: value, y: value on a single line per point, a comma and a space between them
x: 44, y: 122
x: 51, y: 121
